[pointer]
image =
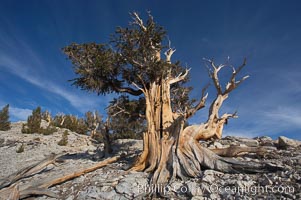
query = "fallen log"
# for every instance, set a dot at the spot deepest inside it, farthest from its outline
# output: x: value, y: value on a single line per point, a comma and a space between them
x: 41, y: 187
x: 60, y: 179
x: 28, y: 171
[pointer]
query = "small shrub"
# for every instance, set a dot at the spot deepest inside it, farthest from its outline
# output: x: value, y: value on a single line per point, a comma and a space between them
x: 48, y: 131
x: 25, y: 129
x: 64, y: 140
x: 20, y: 149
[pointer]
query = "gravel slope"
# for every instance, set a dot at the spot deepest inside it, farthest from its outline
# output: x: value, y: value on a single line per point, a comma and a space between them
x: 111, y: 182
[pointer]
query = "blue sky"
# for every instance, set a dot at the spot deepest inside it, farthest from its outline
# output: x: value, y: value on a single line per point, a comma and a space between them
x: 34, y: 71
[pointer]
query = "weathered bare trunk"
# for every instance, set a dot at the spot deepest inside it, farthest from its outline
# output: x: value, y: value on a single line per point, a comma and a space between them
x: 171, y: 151
x: 150, y: 157
x: 106, y: 138
x: 161, y: 134
x: 62, y: 120
x: 10, y: 190
x: 94, y: 124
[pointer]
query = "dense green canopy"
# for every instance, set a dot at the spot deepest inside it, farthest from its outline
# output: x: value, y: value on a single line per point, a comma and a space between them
x: 127, y: 62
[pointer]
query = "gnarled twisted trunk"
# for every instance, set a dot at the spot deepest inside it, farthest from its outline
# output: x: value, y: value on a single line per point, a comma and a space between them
x: 170, y: 150
x: 163, y: 131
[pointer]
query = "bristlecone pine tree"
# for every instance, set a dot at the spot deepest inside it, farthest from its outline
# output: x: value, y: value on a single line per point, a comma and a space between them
x: 70, y: 122
x: 33, y: 122
x: 133, y: 63
x: 4, y: 118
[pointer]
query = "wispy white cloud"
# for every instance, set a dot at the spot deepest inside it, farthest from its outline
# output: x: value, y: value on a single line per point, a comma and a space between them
x: 81, y: 102
x: 263, y: 110
x: 272, y: 121
x: 266, y: 103
x: 240, y: 133
x: 287, y: 116
x: 30, y: 71
x: 19, y: 114
x: 15, y: 113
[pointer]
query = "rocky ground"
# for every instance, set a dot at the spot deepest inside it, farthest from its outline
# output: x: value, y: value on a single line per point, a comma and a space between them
x: 111, y: 182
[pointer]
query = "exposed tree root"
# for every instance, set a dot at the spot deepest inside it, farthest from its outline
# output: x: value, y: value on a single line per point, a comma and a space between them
x: 140, y: 163
x: 236, y: 150
x: 188, y: 158
x: 10, y: 193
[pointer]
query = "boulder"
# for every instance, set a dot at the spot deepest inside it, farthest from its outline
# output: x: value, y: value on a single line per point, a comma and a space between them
x: 194, y: 188
x: 284, y: 142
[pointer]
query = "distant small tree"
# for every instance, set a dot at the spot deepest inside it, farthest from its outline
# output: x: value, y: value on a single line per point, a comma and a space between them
x: 4, y: 118
x: 58, y: 120
x: 70, y: 122
x: 33, y: 122
x: 49, y: 130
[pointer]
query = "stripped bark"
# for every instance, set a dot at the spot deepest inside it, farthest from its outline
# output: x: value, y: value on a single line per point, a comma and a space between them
x: 106, y: 138
x: 236, y: 150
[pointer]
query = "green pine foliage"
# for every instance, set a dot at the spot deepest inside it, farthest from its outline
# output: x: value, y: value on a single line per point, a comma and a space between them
x: 49, y: 130
x: 4, y: 118
x: 33, y: 122
x: 129, y: 122
x: 58, y: 118
x: 127, y: 58
x: 70, y: 122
